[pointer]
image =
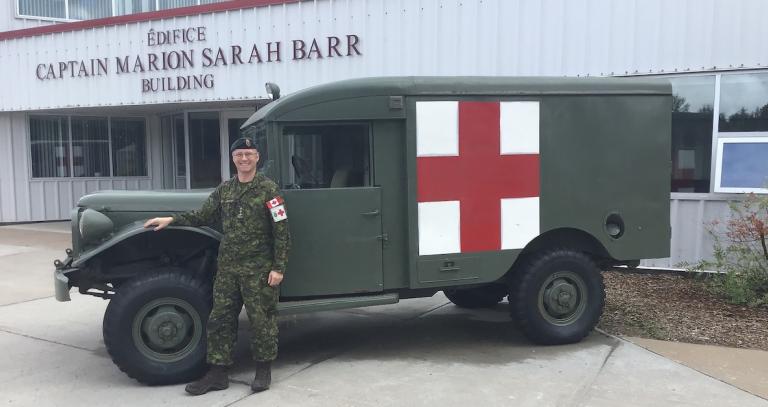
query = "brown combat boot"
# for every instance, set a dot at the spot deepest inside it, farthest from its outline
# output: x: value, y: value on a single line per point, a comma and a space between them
x: 263, y: 377
x: 216, y: 379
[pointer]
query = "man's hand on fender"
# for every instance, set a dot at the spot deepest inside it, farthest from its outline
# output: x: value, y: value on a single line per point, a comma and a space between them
x: 158, y: 223
x: 275, y: 278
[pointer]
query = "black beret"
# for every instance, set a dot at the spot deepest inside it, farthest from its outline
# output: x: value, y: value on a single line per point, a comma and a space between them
x: 242, y: 143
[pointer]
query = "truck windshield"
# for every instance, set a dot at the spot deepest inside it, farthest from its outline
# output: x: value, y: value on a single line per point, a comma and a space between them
x: 258, y: 132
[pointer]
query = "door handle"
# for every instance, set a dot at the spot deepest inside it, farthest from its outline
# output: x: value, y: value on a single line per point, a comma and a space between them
x: 374, y: 212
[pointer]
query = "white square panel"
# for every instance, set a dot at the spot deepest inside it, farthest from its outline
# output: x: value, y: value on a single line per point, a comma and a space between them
x: 519, y: 128
x: 439, y: 227
x: 519, y: 222
x: 437, y: 129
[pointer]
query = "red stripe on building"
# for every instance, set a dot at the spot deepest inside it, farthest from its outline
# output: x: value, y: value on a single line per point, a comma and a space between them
x: 139, y: 17
x: 479, y: 177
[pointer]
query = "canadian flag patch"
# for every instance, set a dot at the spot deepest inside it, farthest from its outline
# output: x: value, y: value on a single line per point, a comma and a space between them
x: 277, y: 209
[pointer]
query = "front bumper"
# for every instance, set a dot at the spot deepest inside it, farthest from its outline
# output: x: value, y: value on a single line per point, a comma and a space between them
x: 60, y: 279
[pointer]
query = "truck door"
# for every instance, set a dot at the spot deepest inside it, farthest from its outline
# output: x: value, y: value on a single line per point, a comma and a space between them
x: 334, y: 211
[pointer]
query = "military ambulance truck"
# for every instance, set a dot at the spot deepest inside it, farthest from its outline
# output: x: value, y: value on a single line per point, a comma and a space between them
x: 479, y: 187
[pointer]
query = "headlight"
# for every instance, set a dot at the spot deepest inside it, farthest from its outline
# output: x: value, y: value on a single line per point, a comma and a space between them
x: 94, y: 225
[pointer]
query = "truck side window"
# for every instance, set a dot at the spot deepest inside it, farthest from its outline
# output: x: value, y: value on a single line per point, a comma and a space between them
x: 328, y: 156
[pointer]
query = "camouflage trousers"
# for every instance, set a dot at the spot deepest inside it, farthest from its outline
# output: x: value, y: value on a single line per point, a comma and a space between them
x: 233, y: 287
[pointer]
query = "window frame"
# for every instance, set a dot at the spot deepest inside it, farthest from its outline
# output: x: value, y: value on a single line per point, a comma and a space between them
x: 66, y: 19
x: 71, y: 177
x: 715, y: 192
x: 285, y: 160
x: 734, y: 138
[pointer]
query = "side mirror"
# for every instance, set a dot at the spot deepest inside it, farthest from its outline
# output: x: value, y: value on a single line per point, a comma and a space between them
x: 273, y: 91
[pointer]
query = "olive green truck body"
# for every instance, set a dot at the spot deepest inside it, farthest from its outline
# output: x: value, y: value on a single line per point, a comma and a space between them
x: 481, y: 187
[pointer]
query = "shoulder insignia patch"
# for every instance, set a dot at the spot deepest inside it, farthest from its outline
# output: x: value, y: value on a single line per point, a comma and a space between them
x: 277, y: 209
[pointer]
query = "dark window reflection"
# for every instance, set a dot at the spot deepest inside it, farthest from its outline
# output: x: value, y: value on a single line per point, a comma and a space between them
x: 692, y: 114
x: 743, y: 102
x: 204, y: 150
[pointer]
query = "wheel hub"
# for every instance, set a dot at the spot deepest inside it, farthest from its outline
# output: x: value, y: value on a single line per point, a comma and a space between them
x: 562, y: 297
x: 166, y: 328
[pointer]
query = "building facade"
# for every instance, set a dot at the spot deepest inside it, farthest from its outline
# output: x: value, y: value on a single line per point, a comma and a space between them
x: 148, y: 94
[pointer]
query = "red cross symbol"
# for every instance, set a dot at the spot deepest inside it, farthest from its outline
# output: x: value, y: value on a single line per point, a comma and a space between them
x: 280, y: 212
x: 479, y: 177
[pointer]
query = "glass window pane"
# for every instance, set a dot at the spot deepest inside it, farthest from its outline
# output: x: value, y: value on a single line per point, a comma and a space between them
x: 166, y: 4
x: 233, y: 126
x: 744, y: 102
x: 89, y: 9
x: 328, y: 156
x: 693, y: 99
x: 129, y: 148
x: 90, y: 147
x: 49, y: 137
x: 204, y: 150
x: 744, y: 164
x: 42, y: 8
x: 181, y: 151
x: 259, y: 135
x: 134, y: 6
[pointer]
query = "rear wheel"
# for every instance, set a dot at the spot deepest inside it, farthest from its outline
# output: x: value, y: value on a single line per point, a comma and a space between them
x: 154, y: 327
x: 559, y: 297
x: 477, y: 297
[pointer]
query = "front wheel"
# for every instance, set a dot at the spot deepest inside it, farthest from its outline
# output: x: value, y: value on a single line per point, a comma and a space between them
x: 559, y: 297
x: 154, y: 327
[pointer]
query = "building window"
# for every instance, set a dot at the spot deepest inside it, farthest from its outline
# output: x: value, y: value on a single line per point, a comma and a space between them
x: 90, y: 9
x: 90, y: 147
x: 693, y: 99
x: 87, y: 147
x: 43, y: 8
x: 49, y: 142
x: 742, y: 165
x: 181, y: 151
x: 129, y: 148
x: 134, y: 6
x: 328, y: 156
x: 743, y: 103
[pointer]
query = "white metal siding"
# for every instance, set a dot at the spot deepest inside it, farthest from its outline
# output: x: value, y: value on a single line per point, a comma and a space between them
x: 425, y: 37
x: 398, y: 37
x: 690, y: 239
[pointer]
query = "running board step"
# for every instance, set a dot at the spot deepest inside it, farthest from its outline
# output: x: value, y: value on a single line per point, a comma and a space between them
x: 329, y: 304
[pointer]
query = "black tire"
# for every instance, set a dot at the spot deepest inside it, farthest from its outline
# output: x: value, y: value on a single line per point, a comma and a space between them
x: 476, y: 297
x: 558, y: 296
x: 154, y: 327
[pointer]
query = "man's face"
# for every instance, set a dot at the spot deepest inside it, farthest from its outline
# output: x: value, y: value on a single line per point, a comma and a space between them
x: 245, y: 159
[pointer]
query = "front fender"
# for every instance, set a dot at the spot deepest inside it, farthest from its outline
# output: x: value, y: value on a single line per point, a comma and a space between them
x: 134, y: 229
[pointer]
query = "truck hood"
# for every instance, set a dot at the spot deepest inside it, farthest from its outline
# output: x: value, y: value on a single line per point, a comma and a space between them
x: 144, y: 201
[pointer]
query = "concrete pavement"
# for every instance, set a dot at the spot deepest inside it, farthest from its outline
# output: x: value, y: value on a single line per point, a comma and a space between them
x: 746, y: 369
x: 418, y: 352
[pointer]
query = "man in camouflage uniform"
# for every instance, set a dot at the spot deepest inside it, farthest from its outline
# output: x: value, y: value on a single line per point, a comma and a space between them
x: 251, y: 262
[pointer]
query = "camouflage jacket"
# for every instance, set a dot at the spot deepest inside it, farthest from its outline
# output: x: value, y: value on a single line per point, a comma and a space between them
x: 255, y: 236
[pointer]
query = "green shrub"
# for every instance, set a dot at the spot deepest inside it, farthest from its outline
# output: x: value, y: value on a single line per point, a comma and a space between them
x: 741, y: 253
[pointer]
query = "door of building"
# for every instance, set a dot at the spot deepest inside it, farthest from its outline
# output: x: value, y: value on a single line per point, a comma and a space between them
x: 204, y: 149
x: 229, y: 129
